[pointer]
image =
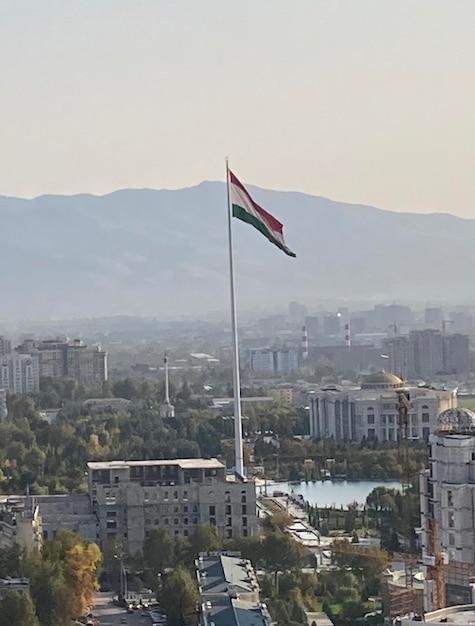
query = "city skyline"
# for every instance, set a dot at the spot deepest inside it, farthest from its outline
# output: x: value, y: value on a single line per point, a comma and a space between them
x: 366, y: 103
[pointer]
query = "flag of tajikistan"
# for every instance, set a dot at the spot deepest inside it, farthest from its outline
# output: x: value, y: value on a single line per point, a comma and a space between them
x: 245, y: 209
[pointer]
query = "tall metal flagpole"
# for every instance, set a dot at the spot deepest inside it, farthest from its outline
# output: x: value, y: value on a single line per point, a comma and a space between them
x: 236, y: 379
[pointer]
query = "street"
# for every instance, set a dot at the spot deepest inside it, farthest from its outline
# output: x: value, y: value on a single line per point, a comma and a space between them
x: 110, y: 615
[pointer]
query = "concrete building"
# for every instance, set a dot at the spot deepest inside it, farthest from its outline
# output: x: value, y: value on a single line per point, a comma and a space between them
x: 3, y: 404
x: 5, y: 345
x: 72, y: 512
x: 371, y: 411
x: 58, y: 358
x: 428, y: 353
x: 434, y: 317
x: 20, y: 523
x: 229, y: 591
x: 447, y: 504
x: 19, y: 373
x: 277, y: 361
x: 130, y: 498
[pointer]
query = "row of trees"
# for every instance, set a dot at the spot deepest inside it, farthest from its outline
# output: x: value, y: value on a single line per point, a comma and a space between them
x: 63, y: 578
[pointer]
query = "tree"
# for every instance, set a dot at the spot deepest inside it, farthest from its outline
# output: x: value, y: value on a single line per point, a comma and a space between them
x: 204, y: 539
x: 18, y: 610
x: 178, y: 597
x: 158, y: 550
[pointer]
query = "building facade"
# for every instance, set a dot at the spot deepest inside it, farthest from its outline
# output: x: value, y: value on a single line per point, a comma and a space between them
x: 428, y: 353
x: 19, y: 373
x: 371, y: 411
x: 130, y: 498
x: 20, y: 523
x: 447, y: 503
x: 277, y: 361
x: 58, y: 358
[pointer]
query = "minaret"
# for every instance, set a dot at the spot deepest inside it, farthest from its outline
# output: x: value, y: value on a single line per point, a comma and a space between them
x: 167, y: 409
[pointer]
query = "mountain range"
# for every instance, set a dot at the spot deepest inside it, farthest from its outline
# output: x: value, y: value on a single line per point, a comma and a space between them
x: 164, y: 252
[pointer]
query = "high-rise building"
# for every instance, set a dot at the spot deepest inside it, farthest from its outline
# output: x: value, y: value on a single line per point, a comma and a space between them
x: 19, y: 373
x: 60, y: 358
x: 5, y: 345
x: 400, y: 354
x: 456, y: 349
x: 297, y: 313
x: 3, y: 404
x: 428, y: 353
x: 434, y: 318
x: 447, y: 503
x: 331, y: 325
x: 371, y: 412
x: 130, y: 498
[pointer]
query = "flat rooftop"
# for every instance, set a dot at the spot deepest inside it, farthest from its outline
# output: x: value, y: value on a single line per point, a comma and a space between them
x: 183, y: 463
x: 219, y: 573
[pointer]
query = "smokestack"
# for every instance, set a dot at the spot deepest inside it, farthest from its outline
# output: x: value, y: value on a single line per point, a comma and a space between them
x: 304, y: 344
x: 347, y: 336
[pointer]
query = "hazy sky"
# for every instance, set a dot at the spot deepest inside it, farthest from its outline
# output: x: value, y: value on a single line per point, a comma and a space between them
x: 369, y: 101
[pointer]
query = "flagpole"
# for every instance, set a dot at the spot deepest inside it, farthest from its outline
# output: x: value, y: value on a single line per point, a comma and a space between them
x: 236, y: 381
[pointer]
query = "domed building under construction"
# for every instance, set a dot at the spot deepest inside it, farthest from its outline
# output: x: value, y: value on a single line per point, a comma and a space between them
x: 371, y: 411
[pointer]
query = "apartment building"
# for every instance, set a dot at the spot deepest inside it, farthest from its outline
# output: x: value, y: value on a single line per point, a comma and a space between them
x: 278, y: 361
x: 370, y: 411
x: 229, y: 591
x: 60, y: 357
x: 130, y: 498
x: 428, y: 353
x: 19, y: 373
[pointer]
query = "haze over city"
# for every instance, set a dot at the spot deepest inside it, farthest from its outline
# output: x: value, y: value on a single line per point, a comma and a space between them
x: 366, y: 102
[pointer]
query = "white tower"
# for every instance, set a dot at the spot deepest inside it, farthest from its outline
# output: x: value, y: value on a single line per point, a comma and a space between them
x: 167, y: 409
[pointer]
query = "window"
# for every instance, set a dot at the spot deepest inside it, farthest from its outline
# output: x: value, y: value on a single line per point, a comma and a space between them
x: 426, y: 417
x: 450, y: 498
x: 212, y: 521
x: 390, y: 419
x: 176, y: 509
x: 229, y: 521
x: 157, y: 522
x: 383, y: 419
x: 371, y: 419
x: 165, y: 496
x: 176, y: 521
x: 195, y: 520
x: 244, y: 532
x: 451, y: 519
x: 244, y: 521
x: 185, y: 533
x: 243, y: 496
x: 425, y: 433
x: 371, y: 433
x: 244, y: 509
x: 185, y: 521
x: 451, y: 539
x: 185, y: 509
x: 185, y: 495
x: 166, y: 521
x: 177, y: 532
x: 175, y: 495
x: 227, y: 496
x: 229, y: 533
x: 212, y: 511
x: 228, y: 509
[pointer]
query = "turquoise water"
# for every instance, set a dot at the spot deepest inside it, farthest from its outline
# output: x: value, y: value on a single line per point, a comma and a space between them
x: 332, y: 492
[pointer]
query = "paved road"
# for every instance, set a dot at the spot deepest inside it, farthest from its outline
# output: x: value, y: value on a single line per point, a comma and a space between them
x: 110, y: 615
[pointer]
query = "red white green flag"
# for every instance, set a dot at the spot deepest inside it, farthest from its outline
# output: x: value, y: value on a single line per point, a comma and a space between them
x: 245, y: 209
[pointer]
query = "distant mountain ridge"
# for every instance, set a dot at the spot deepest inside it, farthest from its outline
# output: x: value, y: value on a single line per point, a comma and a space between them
x: 162, y: 252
